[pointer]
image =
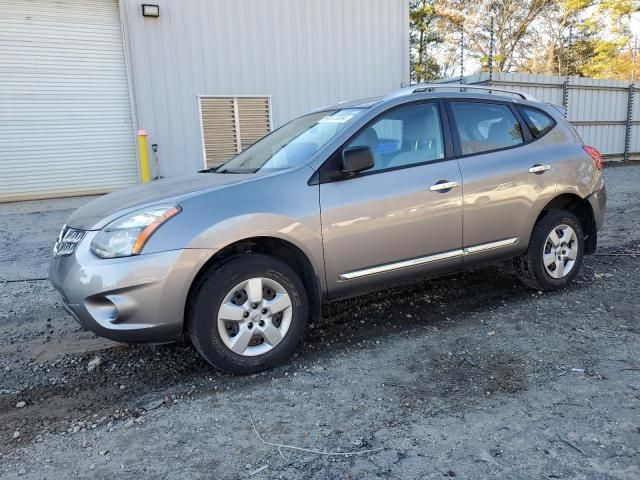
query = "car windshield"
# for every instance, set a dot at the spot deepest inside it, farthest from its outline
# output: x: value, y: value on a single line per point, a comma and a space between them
x: 293, y: 144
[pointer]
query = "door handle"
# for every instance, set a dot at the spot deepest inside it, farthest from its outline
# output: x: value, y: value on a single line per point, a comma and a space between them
x: 537, y: 168
x: 443, y: 186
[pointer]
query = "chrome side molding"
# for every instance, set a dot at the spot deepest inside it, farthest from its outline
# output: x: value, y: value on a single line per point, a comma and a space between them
x: 398, y: 265
x: 490, y: 246
x: 428, y: 259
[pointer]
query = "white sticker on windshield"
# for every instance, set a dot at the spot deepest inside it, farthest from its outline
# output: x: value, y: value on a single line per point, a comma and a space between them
x: 336, y: 118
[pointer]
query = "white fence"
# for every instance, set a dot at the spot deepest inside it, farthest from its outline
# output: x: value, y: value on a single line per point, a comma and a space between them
x: 606, y: 113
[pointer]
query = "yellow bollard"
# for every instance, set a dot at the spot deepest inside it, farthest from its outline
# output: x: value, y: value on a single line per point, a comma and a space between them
x: 143, y: 154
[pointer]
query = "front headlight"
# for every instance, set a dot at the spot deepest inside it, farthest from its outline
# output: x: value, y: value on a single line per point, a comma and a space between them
x: 127, y: 235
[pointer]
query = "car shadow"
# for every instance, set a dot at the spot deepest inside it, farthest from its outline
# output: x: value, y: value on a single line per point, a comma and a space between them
x: 132, y: 377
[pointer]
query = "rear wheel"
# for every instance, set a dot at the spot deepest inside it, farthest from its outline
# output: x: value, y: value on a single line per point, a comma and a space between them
x: 555, y: 252
x: 248, y: 314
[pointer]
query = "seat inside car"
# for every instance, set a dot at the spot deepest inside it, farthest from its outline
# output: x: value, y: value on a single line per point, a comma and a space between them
x: 421, y: 140
x: 368, y: 138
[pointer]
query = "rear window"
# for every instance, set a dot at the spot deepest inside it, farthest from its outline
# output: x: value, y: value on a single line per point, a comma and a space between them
x: 483, y: 127
x: 539, y: 123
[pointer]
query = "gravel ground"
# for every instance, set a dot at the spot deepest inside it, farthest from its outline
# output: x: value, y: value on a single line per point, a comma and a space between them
x: 469, y: 376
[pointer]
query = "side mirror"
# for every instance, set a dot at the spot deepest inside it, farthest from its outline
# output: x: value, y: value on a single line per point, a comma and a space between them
x: 357, y: 159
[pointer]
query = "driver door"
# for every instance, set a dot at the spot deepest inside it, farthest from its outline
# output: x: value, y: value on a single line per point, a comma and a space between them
x: 403, y: 217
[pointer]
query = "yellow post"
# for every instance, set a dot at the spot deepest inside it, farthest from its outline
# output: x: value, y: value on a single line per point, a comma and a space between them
x: 143, y: 154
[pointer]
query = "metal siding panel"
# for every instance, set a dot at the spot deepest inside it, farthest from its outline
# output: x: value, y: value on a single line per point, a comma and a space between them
x: 65, y: 116
x: 608, y: 139
x: 635, y: 139
x: 636, y: 103
x: 597, y: 104
x: 544, y: 93
x: 302, y: 53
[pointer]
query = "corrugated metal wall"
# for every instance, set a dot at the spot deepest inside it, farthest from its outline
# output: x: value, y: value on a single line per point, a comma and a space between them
x: 597, y: 108
x: 65, y: 113
x: 302, y: 53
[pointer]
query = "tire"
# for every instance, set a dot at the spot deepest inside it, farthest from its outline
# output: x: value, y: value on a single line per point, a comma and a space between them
x: 229, y: 284
x: 530, y: 267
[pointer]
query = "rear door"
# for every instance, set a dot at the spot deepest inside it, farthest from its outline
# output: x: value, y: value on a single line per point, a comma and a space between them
x: 398, y: 219
x: 505, y: 177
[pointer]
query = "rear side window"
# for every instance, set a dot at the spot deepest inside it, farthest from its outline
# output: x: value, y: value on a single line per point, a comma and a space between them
x: 539, y: 123
x: 483, y: 127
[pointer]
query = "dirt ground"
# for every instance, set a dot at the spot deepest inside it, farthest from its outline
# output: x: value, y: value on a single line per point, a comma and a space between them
x: 471, y: 376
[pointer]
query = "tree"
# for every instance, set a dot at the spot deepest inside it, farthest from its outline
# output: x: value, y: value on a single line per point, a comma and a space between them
x: 588, y: 38
x: 565, y: 40
x: 613, y: 54
x: 513, y: 33
x: 557, y: 37
x: 423, y: 18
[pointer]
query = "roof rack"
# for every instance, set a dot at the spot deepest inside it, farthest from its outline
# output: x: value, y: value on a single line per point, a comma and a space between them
x: 430, y: 87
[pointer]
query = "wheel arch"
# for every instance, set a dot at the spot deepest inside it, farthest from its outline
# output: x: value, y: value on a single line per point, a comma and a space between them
x: 276, y: 247
x: 582, y: 209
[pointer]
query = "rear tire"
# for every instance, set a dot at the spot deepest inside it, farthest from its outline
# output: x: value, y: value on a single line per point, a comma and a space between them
x: 249, y: 314
x: 555, y: 253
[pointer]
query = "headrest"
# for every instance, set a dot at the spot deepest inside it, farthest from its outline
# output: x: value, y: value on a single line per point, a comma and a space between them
x: 368, y: 137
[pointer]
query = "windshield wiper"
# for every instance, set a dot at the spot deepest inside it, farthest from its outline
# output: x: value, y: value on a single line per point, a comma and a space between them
x: 229, y: 170
x: 236, y: 171
x: 232, y: 171
x: 209, y: 170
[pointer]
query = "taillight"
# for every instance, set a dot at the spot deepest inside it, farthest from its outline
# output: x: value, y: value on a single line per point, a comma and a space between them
x: 595, y: 154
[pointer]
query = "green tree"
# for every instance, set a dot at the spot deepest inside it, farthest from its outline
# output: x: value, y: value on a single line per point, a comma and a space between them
x: 556, y: 37
x: 565, y: 42
x: 423, y: 36
x: 587, y: 38
x: 613, y: 52
x: 514, y: 35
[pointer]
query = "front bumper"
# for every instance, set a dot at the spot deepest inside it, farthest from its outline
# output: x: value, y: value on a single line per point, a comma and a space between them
x: 133, y: 299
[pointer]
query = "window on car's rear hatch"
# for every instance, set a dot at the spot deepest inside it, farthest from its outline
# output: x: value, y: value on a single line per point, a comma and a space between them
x: 539, y: 122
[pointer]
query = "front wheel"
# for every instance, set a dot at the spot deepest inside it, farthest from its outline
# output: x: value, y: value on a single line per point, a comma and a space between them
x: 555, y: 252
x: 248, y: 314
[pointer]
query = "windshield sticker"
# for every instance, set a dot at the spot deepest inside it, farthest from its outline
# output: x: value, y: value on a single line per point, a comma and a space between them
x: 337, y: 118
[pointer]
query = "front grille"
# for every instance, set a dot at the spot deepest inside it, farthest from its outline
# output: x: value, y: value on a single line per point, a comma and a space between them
x: 67, y: 241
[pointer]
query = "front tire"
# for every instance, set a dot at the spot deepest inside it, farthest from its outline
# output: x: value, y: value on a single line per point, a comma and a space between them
x: 249, y: 314
x: 555, y: 253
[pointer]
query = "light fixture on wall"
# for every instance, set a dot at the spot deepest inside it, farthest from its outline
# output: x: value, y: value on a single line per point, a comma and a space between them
x: 150, y: 10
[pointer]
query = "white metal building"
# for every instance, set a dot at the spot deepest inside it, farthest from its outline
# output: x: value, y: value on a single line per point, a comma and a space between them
x: 205, y: 78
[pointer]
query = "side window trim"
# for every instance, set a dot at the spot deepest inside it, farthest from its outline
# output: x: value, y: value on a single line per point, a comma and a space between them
x: 445, y: 122
x: 453, y: 130
x: 528, y: 123
x: 527, y: 137
x: 319, y: 177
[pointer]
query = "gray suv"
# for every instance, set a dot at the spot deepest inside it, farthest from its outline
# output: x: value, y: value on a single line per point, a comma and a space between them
x: 346, y: 199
